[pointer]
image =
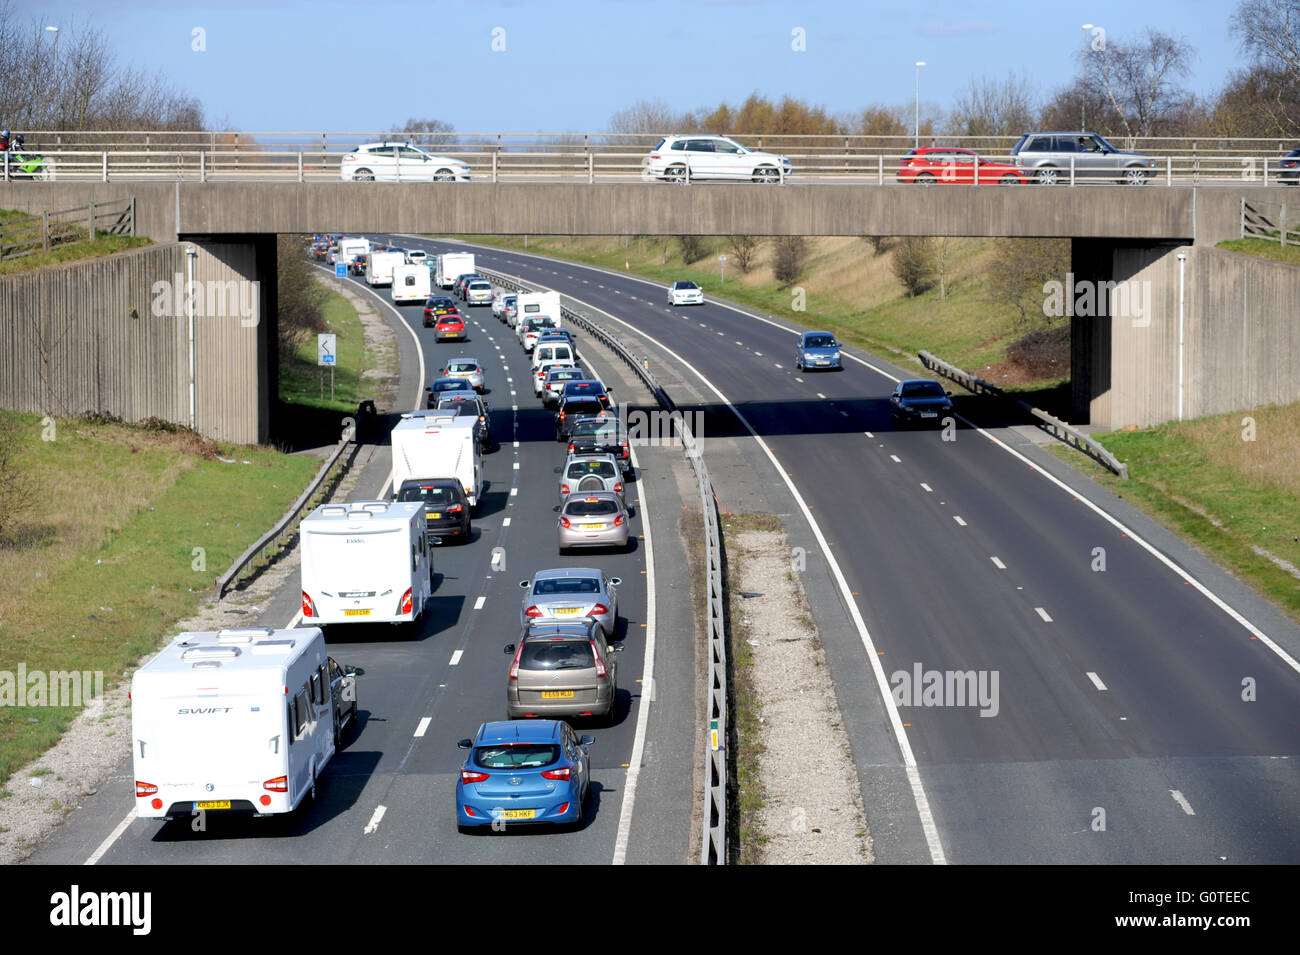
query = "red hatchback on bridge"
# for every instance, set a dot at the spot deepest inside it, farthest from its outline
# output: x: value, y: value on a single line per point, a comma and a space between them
x: 952, y: 165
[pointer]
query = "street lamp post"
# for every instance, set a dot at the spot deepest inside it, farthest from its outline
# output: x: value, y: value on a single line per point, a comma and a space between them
x: 55, y: 31
x: 1083, y: 81
x: 917, y: 132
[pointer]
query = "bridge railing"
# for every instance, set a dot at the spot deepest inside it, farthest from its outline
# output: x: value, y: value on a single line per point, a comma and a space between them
x: 1271, y: 220
x: 598, y: 162
x: 713, y: 849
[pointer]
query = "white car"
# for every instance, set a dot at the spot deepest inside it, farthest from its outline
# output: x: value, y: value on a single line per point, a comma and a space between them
x: 685, y: 293
x: 417, y: 257
x: 393, y: 162
x: 682, y: 158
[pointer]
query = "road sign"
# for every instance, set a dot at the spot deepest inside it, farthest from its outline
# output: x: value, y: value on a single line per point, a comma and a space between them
x: 340, y: 270
x: 325, y: 349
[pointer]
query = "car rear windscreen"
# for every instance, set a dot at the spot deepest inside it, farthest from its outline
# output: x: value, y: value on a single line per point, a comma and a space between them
x: 584, y: 406
x: 556, y: 655
x: 592, y: 508
x: 429, y: 494
x: 566, y: 585
x: 582, y: 468
x: 516, y: 755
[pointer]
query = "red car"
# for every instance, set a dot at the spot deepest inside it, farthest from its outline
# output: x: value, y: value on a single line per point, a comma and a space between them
x: 449, y: 326
x: 953, y: 165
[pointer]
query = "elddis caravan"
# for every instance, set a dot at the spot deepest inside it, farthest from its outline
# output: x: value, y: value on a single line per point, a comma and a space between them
x: 432, y: 444
x: 235, y: 720
x: 411, y: 283
x: 365, y: 562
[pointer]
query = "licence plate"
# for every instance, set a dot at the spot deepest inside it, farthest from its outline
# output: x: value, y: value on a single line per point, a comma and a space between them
x: 561, y: 610
x: 434, y: 515
x: 593, y: 527
x: 557, y: 694
x: 213, y: 804
x: 929, y: 414
x: 356, y: 613
x: 517, y: 814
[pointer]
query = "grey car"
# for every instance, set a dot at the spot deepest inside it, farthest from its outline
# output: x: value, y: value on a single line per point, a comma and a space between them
x: 592, y: 519
x: 570, y: 593
x: 818, y: 350
x: 562, y: 670
x: 555, y: 379
x: 584, y: 473
x: 1046, y: 158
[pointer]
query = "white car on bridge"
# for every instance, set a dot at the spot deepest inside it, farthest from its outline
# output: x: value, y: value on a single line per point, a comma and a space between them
x: 394, y: 162
x: 682, y: 158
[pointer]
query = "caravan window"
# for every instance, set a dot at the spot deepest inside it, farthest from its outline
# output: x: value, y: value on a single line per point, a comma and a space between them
x: 302, y: 709
x: 317, y: 696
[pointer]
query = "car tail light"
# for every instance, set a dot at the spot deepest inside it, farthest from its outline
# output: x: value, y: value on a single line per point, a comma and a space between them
x: 308, y: 606
x: 570, y: 447
x: 454, y: 509
x: 564, y: 489
x: 625, y: 450
x: 514, y: 664
x: 557, y: 773
x: 280, y: 784
x: 600, y: 664
x: 405, y: 605
x: 144, y: 789
x: 565, y: 522
x: 618, y: 520
x: 469, y: 776
x: 618, y: 487
x: 532, y: 611
x: 598, y: 611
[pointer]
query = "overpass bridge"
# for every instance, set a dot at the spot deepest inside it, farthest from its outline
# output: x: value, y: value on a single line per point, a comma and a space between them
x: 1142, y: 251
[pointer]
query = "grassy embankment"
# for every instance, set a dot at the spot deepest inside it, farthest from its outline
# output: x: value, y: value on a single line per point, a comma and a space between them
x: 65, y: 252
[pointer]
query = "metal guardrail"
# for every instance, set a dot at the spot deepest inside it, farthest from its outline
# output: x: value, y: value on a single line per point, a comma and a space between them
x: 288, y: 524
x: 29, y: 235
x: 713, y: 850
x: 1052, y: 425
x: 1267, y: 220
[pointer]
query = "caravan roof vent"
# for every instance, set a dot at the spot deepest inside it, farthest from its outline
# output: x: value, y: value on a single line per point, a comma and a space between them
x: 376, y: 507
x: 211, y: 653
x: 360, y: 515
x: 242, y: 635
x: 333, y: 510
x: 265, y: 647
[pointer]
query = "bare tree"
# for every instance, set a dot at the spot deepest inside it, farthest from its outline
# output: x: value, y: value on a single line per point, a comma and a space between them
x: 878, y: 243
x: 789, y: 259
x: 1270, y: 30
x: 300, y: 297
x: 994, y: 108
x: 427, y: 132
x: 692, y: 248
x: 743, y: 250
x: 1019, y: 269
x: 1138, y: 80
x: 914, y: 264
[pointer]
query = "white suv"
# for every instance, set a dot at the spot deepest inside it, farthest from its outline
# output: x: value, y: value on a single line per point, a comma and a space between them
x: 391, y: 162
x: 680, y: 158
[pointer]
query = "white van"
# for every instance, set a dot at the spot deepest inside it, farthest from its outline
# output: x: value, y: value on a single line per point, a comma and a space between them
x: 432, y: 444
x: 350, y: 248
x: 380, y: 265
x: 555, y: 352
x: 233, y: 720
x: 451, y: 266
x: 411, y: 283
x: 365, y: 562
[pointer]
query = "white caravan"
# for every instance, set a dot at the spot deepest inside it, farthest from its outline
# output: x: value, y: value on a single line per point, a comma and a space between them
x: 365, y: 562
x: 538, y: 304
x: 432, y: 444
x: 451, y: 266
x: 411, y: 283
x: 350, y: 248
x: 380, y: 265
x: 233, y: 720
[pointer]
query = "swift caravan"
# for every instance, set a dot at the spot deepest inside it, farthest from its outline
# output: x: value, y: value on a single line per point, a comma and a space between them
x: 380, y: 265
x: 433, y: 444
x: 451, y: 266
x: 411, y: 284
x: 234, y: 720
x: 365, y: 562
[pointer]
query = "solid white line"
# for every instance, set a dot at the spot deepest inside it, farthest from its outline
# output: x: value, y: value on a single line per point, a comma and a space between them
x: 1182, y: 801
x: 482, y: 599
x: 896, y: 459
x: 112, y: 838
x: 423, y: 727
x: 959, y: 520
x: 376, y: 819
x: 1043, y: 613
x: 647, y: 679
x: 998, y: 564
x: 455, y: 657
x: 928, y: 489
x: 1096, y: 681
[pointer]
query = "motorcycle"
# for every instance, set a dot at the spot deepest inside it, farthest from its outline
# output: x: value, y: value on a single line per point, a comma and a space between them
x: 25, y: 165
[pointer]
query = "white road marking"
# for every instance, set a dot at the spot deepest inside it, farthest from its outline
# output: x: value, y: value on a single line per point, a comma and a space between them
x: 797, y: 378
x: 516, y: 465
x: 112, y: 838
x: 376, y: 819
x: 959, y: 520
x: 1043, y: 613
x: 870, y: 435
x: 514, y: 491
x: 821, y: 396
x: 998, y: 564
x: 778, y: 365
x: 741, y: 344
x: 423, y: 727
x: 478, y: 604
x: 1096, y: 681
x: 928, y: 489
x: 516, y: 444
x: 455, y: 657
x: 896, y: 459
x: 759, y: 354
x: 844, y: 413
x: 505, y: 522
x: 1182, y: 801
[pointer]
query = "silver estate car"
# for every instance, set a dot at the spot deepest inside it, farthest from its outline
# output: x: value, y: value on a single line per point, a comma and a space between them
x: 562, y: 669
x: 598, y: 519
x: 1046, y: 159
x: 468, y: 368
x: 585, y: 473
x: 567, y: 593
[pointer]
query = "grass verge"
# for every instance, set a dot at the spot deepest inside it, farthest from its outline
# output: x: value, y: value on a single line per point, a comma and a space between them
x: 126, y: 536
x: 304, y: 383
x: 1229, y: 484
x: 1264, y: 248
x: 73, y: 251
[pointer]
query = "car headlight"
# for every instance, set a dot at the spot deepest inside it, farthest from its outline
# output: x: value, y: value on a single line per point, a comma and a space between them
x: 808, y: 356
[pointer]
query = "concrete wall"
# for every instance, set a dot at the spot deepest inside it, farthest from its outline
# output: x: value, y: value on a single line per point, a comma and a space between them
x: 1241, y: 337
x: 104, y: 335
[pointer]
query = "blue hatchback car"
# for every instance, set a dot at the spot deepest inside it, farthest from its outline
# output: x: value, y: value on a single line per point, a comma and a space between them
x: 817, y: 350
x: 523, y: 772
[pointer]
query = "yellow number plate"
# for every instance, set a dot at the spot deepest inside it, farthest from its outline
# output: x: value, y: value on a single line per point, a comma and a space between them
x: 557, y: 694
x: 434, y: 515
x: 517, y: 814
x: 560, y: 610
x: 213, y: 804
x: 356, y: 613
x: 593, y: 527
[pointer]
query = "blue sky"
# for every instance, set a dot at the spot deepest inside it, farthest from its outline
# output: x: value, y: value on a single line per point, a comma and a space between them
x: 567, y: 66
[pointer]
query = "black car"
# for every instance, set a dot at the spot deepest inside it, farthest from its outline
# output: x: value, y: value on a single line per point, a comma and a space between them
x: 1288, y: 168
x: 435, y: 307
x: 343, y: 688
x: 576, y: 405
x: 919, y: 401
x: 445, y: 507
x: 602, y: 434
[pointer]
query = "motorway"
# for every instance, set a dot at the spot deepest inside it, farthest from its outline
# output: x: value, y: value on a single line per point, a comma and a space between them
x: 1140, y: 718
x: 388, y: 795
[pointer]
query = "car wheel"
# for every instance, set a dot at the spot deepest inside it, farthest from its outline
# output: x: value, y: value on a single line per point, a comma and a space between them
x: 1009, y: 181
x: 675, y: 174
x: 363, y: 175
x: 925, y: 179
x: 1047, y: 176
x: 797, y: 365
x: 767, y: 175
x: 1134, y: 177
x: 444, y: 175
